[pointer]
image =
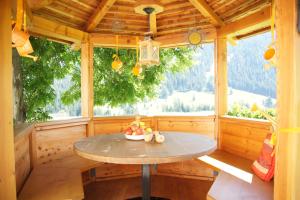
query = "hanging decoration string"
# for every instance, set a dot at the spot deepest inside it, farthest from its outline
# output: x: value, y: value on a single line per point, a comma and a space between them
x: 270, y: 53
x: 273, y: 21
x: 117, y: 63
x: 137, y: 49
x: 117, y: 43
x: 137, y: 69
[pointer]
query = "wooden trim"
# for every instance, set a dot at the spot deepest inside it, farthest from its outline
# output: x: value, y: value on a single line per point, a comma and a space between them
x: 129, y: 41
x: 254, y: 122
x: 37, y: 4
x: 251, y: 23
x: 61, y: 123
x: 207, y: 12
x: 22, y: 130
x: 87, y: 84
x: 114, y: 118
x: 53, y: 30
x: 253, y: 33
x: 287, y: 174
x: 99, y: 13
x: 7, y: 166
x: 221, y: 83
x: 33, y: 149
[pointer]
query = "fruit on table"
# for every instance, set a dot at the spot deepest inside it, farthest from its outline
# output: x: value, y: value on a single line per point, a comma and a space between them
x: 134, y: 127
x: 139, y: 131
x: 148, y: 137
x: 128, y: 131
x: 148, y: 130
x: 155, y: 132
x: 159, y: 138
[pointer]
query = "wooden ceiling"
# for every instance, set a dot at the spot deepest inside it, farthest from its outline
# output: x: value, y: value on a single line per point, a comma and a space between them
x: 178, y: 17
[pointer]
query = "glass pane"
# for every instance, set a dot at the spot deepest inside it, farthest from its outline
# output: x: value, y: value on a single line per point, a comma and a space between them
x: 249, y: 82
x: 189, y: 92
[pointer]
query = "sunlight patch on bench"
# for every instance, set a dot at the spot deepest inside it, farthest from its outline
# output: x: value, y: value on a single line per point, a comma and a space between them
x: 234, y: 171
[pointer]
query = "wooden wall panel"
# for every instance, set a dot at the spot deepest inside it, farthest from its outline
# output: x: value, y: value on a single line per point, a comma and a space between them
x: 116, y: 124
x: 55, y: 140
x: 114, y: 171
x: 243, y: 137
x: 22, y: 154
x: 188, y: 169
x: 203, y: 125
x: 57, y: 143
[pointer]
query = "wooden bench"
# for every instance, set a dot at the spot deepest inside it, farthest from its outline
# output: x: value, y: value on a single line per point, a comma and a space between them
x: 57, y: 180
x: 235, y: 180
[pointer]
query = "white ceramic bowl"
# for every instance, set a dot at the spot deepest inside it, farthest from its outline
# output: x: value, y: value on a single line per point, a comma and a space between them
x: 134, y: 137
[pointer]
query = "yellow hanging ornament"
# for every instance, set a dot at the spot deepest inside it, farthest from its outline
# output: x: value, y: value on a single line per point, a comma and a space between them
x: 117, y: 64
x: 137, y: 69
x: 270, y: 53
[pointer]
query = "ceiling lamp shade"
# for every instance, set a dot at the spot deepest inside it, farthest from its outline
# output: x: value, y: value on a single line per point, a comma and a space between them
x: 149, y: 52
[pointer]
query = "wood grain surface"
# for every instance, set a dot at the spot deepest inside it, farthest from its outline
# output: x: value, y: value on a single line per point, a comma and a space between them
x: 114, y: 148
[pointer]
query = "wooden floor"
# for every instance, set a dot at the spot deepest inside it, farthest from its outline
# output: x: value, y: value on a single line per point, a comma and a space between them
x: 161, y: 186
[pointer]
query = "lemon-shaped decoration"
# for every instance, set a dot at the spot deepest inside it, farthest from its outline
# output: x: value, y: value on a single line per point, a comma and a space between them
x: 269, y: 54
x: 254, y: 108
x: 195, y: 38
x: 117, y: 63
x: 137, y: 70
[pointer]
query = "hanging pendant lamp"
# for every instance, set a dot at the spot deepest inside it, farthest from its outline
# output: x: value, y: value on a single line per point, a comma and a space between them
x: 149, y: 49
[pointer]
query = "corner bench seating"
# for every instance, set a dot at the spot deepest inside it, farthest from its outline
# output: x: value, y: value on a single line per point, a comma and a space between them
x: 229, y: 187
x: 61, y: 179
x: 58, y: 180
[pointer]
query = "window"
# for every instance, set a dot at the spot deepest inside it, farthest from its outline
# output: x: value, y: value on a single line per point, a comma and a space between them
x: 59, y: 110
x: 190, y: 92
x: 248, y: 81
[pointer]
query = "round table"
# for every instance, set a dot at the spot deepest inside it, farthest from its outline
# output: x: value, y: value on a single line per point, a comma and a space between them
x: 115, y: 148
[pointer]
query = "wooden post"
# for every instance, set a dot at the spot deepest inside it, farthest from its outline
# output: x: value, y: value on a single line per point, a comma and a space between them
x: 221, y: 84
x: 87, y: 84
x: 287, y: 173
x: 7, y: 156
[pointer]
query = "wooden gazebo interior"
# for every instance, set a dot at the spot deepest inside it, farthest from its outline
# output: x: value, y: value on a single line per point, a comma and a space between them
x: 37, y: 160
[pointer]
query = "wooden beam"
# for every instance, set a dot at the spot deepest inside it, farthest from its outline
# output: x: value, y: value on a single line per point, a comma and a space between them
x: 7, y: 166
x: 87, y: 83
x: 287, y: 174
x: 221, y: 83
x: 37, y: 4
x: 108, y: 40
x: 152, y: 20
x: 207, y: 12
x: 179, y: 39
x: 129, y: 41
x: 99, y: 13
x: 52, y: 30
x: 251, y: 23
